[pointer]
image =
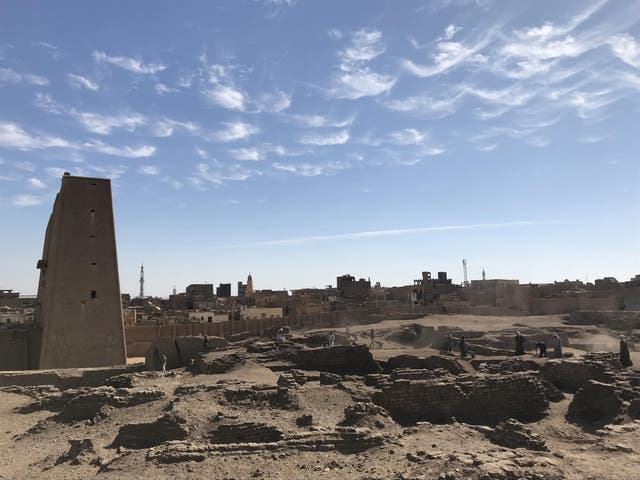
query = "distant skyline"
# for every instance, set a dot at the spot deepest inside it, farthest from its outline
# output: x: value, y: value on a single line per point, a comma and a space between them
x: 301, y: 140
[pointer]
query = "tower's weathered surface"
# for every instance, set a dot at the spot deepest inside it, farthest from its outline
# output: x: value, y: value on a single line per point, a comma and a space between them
x: 79, y: 308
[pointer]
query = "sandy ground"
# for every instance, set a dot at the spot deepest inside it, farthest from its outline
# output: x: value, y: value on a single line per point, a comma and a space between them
x: 455, y: 449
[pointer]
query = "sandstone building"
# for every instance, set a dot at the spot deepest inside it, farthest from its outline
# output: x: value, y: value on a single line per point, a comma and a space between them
x: 79, y: 306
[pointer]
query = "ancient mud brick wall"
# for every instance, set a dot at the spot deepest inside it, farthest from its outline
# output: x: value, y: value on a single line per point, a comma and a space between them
x: 476, y: 400
x: 573, y: 374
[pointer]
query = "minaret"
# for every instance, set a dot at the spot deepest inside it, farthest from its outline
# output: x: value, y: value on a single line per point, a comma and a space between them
x: 174, y: 291
x: 249, y: 290
x: 484, y: 275
x: 141, y: 280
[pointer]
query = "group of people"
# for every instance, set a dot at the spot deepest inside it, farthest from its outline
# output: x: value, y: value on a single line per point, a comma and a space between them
x: 331, y: 338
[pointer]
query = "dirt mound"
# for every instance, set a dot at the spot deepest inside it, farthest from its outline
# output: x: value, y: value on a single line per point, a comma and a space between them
x: 169, y: 426
x: 369, y: 415
x: 80, y: 451
x: 216, y: 362
x: 513, y: 434
x: 414, y: 335
x: 595, y: 402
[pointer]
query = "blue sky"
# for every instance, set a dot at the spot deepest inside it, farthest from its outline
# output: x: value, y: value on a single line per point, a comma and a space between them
x: 299, y: 140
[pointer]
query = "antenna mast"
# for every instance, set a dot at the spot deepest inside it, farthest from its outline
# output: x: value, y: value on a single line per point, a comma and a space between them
x: 141, y: 280
x: 464, y: 268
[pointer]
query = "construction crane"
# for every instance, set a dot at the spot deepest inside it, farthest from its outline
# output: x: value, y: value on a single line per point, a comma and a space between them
x: 464, y: 268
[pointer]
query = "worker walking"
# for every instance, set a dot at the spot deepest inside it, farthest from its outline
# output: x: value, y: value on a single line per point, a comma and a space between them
x: 557, y: 346
x: 463, y: 347
x: 519, y: 343
x: 625, y: 356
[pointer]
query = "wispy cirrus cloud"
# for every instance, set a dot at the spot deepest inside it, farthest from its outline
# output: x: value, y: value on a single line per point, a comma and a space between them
x: 79, y: 81
x: 36, y: 183
x: 150, y: 170
x: 449, y: 55
x: 13, y: 136
x: 303, y: 240
x: 234, y: 131
x: 142, y: 151
x: 26, y: 200
x: 133, y: 65
x: 317, y: 121
x: 355, y: 79
x: 306, y: 169
x: 214, y: 174
x: 626, y: 48
x: 9, y: 75
x: 227, y: 97
x: 325, y: 139
x: 105, y: 124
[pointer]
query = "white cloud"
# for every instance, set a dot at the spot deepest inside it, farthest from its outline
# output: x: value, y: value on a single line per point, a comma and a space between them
x: 312, y: 170
x: 8, y: 75
x: 127, y: 63
x: 217, y: 176
x: 36, y: 183
x: 316, y: 121
x: 26, y: 200
x: 112, y: 172
x: 586, y: 103
x: 45, y: 102
x: 365, y: 45
x: 355, y: 78
x: 361, y: 82
x: 78, y: 81
x: 166, y: 127
x: 626, y: 49
x: 14, y: 136
x: 451, y: 30
x: 226, y: 97
x: 24, y: 165
x: 273, y: 102
x: 426, y: 104
x: 384, y: 233
x: 234, y: 131
x: 335, y: 34
x: 143, y: 151
x: 407, y: 136
x: 104, y: 124
x: 448, y: 55
x: 149, y: 170
x: 593, y: 138
x: 161, y: 89
x: 202, y: 153
x: 246, y: 154
x: 336, y: 138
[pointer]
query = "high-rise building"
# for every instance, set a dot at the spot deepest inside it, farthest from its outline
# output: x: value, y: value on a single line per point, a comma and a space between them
x: 79, y: 306
x: 223, y: 290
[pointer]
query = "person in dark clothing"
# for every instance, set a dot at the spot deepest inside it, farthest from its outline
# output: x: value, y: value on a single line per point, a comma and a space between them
x: 448, y: 344
x: 542, y: 349
x: 463, y: 347
x: 519, y: 343
x: 625, y: 357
